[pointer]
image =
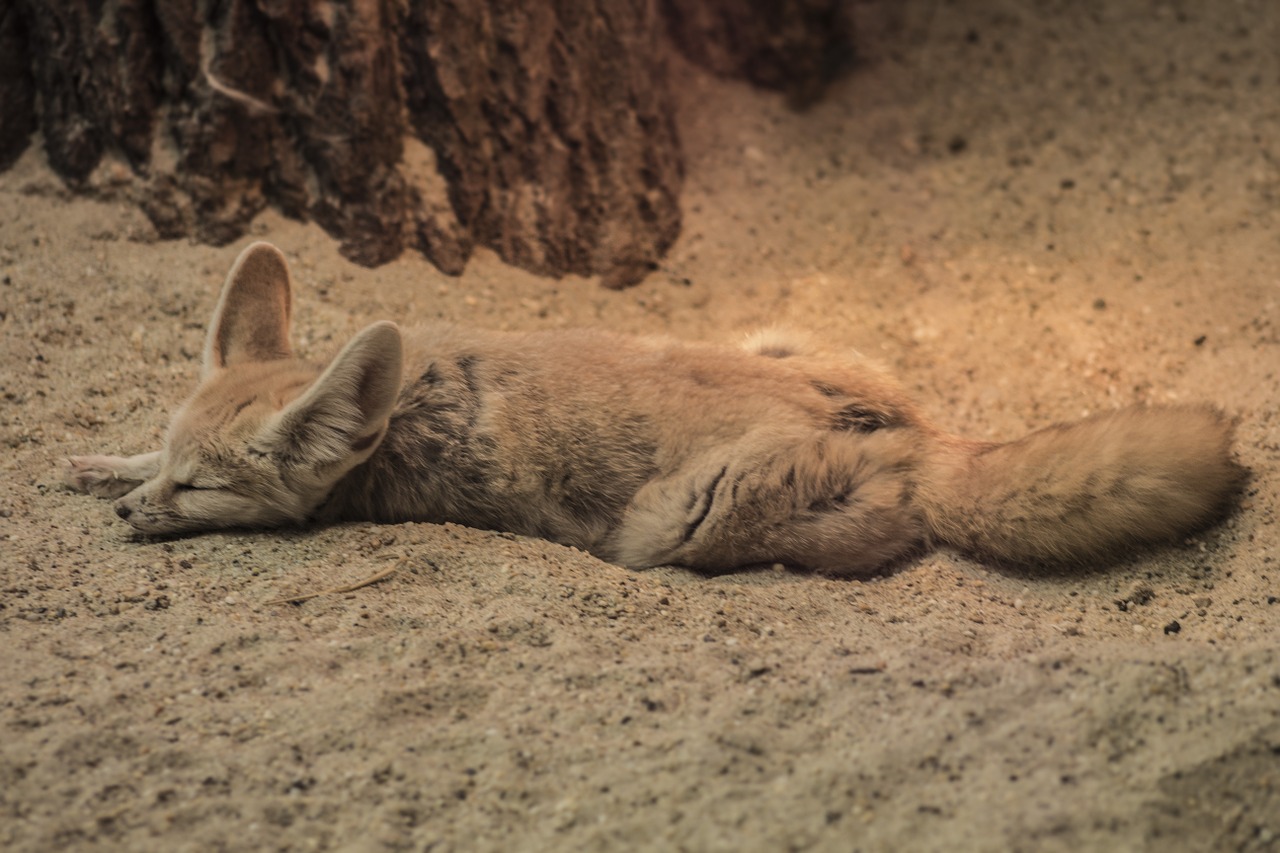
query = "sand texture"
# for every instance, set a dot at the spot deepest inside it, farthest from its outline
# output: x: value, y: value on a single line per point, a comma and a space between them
x: 1029, y: 211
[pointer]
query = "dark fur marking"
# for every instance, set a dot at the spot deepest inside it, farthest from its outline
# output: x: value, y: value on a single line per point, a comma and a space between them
x: 466, y: 365
x: 442, y: 403
x: 710, y: 494
x: 827, y: 390
x: 856, y: 418
x: 431, y: 377
x: 505, y: 376
x: 908, y: 495
x: 240, y: 408
x: 829, y: 504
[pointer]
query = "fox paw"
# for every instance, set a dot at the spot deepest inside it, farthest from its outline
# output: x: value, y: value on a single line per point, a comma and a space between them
x: 102, y: 476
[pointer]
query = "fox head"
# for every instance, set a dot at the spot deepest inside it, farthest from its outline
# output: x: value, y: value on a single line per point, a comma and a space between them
x: 266, y: 437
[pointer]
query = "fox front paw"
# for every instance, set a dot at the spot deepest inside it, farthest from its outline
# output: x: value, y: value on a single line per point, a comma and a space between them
x: 105, y: 476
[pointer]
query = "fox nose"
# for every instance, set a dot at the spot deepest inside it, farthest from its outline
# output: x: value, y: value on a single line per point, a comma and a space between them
x: 123, y: 511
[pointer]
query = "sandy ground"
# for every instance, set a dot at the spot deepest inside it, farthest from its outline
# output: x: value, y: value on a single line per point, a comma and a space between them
x: 1030, y: 211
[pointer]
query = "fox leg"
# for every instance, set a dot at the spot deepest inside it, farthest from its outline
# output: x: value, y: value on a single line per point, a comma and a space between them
x: 838, y: 504
x: 110, y: 476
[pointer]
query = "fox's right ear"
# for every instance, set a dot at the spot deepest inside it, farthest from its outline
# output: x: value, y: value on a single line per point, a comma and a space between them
x: 251, y: 322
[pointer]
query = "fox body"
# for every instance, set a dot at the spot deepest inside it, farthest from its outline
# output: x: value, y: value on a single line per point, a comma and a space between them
x: 643, y: 451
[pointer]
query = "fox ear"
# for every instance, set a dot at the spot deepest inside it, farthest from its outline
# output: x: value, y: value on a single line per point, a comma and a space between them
x: 342, y: 417
x: 251, y: 322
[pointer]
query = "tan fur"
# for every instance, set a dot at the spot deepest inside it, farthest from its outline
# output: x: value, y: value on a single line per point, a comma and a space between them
x: 644, y: 451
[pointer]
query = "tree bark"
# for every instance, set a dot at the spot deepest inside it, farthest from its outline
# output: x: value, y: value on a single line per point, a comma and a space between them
x: 17, y: 89
x: 542, y: 129
x: 553, y: 126
x: 796, y: 46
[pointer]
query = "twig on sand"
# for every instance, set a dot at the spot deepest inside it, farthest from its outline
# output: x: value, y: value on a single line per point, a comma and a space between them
x: 369, y: 581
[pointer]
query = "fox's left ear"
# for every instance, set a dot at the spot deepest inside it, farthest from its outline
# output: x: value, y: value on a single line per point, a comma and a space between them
x: 251, y: 322
x: 341, y: 418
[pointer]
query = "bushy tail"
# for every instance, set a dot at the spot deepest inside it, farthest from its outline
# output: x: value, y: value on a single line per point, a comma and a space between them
x: 1089, y: 490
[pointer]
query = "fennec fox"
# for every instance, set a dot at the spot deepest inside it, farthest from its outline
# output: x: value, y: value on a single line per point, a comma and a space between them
x: 642, y: 451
